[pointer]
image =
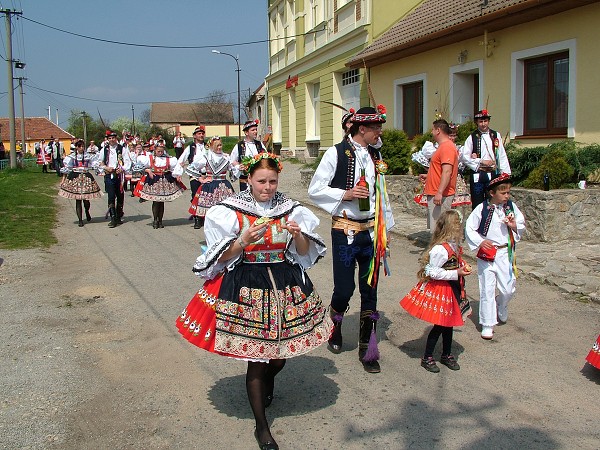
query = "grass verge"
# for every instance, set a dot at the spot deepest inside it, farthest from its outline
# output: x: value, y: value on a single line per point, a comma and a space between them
x: 27, y: 208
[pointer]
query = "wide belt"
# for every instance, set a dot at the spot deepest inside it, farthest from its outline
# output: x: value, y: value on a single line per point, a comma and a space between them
x: 341, y: 223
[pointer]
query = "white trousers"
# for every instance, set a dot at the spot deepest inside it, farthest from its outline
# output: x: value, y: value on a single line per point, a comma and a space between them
x: 492, y: 275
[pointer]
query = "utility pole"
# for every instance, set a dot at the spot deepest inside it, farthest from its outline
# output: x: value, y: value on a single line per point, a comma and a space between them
x: 23, y: 137
x: 83, y: 115
x: 11, y: 95
x: 132, y: 121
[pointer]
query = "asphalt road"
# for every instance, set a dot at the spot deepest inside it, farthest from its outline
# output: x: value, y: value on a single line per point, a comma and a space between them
x: 90, y: 358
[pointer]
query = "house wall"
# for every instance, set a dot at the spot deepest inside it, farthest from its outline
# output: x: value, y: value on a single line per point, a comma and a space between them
x: 577, y: 27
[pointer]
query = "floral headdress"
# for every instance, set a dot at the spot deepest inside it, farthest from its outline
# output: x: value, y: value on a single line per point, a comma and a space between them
x: 251, y: 161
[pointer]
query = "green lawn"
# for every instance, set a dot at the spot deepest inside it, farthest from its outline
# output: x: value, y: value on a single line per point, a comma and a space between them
x: 27, y: 208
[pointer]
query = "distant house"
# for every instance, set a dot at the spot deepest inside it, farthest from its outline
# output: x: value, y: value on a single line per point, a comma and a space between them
x: 256, y: 109
x: 184, y: 117
x: 36, y: 129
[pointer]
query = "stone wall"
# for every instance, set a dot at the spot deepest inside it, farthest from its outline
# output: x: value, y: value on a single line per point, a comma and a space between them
x: 555, y: 215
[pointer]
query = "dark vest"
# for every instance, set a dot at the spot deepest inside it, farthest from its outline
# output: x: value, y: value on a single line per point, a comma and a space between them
x: 487, y: 214
x: 476, y: 136
x: 192, y: 152
x: 242, y: 148
x: 107, y: 152
x: 346, y: 165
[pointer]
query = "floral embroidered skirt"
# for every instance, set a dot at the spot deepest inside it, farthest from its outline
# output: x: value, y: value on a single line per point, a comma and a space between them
x: 209, y: 195
x: 79, y: 186
x: 433, y: 301
x: 161, y: 188
x: 593, y: 356
x: 240, y: 315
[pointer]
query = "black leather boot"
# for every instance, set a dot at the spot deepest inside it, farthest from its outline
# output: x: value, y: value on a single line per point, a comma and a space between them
x: 197, y: 224
x: 368, y: 353
x: 334, y: 344
x: 86, y: 205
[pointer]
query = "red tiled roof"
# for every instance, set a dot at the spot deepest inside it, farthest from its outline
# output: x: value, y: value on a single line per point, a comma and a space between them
x: 36, y: 128
x: 435, y: 23
x: 191, y: 113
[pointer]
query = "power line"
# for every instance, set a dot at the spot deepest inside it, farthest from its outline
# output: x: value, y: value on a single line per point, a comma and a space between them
x: 189, y: 47
x: 122, y: 102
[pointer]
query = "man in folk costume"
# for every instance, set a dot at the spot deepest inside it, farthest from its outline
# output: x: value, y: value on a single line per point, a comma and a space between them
x: 57, y: 154
x: 359, y: 232
x: 248, y: 147
x: 485, y: 155
x: 113, y: 162
x: 193, y: 153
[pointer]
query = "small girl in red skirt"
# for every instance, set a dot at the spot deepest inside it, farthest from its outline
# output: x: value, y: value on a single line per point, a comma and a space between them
x: 439, y: 296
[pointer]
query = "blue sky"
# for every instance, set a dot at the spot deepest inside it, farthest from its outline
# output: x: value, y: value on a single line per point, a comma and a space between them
x: 67, y: 64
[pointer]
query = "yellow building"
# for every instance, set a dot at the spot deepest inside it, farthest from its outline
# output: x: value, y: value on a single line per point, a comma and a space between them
x: 311, y: 41
x: 531, y: 63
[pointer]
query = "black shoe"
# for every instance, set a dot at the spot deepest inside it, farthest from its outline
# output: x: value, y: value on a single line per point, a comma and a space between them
x: 112, y: 223
x: 371, y: 366
x: 430, y: 365
x: 155, y: 224
x: 197, y: 224
x: 160, y: 224
x: 80, y: 223
x: 449, y: 362
x: 269, y: 445
x: 87, y: 216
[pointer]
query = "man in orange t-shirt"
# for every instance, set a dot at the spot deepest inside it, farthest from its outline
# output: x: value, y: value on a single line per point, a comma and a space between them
x: 441, y: 176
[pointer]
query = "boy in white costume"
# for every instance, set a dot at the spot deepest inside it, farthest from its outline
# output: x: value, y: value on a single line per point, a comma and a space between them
x: 492, y: 229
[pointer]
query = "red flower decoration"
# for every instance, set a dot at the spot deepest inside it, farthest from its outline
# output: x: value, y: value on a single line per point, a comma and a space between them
x: 351, y: 110
x: 381, y: 109
x: 484, y: 112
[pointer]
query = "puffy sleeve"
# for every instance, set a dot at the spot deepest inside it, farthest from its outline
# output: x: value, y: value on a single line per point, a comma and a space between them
x: 520, y: 220
x: 221, y: 228
x: 319, y: 191
x: 308, y: 223
x: 175, y: 167
x: 437, y: 258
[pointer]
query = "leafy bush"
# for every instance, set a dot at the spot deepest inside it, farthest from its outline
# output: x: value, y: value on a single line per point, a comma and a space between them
x: 396, y: 151
x: 556, y: 166
x: 566, y: 162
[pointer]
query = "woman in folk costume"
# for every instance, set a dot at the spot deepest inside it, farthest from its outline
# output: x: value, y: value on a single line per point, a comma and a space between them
x: 159, y: 184
x: 215, y: 166
x: 137, y: 172
x: 593, y: 356
x: 439, y: 296
x: 422, y: 157
x: 77, y: 183
x: 257, y: 303
x: 43, y: 157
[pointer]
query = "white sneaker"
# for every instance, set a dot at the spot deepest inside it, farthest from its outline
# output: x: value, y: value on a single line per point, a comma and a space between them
x: 487, y: 332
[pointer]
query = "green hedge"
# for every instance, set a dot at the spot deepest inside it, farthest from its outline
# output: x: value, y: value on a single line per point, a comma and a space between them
x: 565, y: 162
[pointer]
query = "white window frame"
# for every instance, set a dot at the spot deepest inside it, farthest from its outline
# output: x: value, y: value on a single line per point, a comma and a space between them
x: 517, y: 84
x: 399, y: 113
x: 471, y: 67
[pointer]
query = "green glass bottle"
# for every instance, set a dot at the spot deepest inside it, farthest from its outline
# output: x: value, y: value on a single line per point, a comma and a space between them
x: 364, y: 204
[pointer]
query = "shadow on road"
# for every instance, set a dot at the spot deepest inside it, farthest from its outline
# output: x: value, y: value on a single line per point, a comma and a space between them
x: 302, y: 387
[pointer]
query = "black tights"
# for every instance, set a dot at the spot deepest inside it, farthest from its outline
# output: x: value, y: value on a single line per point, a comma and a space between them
x: 158, y: 210
x: 79, y: 209
x: 260, y: 380
x: 433, y: 337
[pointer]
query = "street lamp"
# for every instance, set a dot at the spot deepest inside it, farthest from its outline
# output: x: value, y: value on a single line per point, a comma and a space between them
x: 237, y: 63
